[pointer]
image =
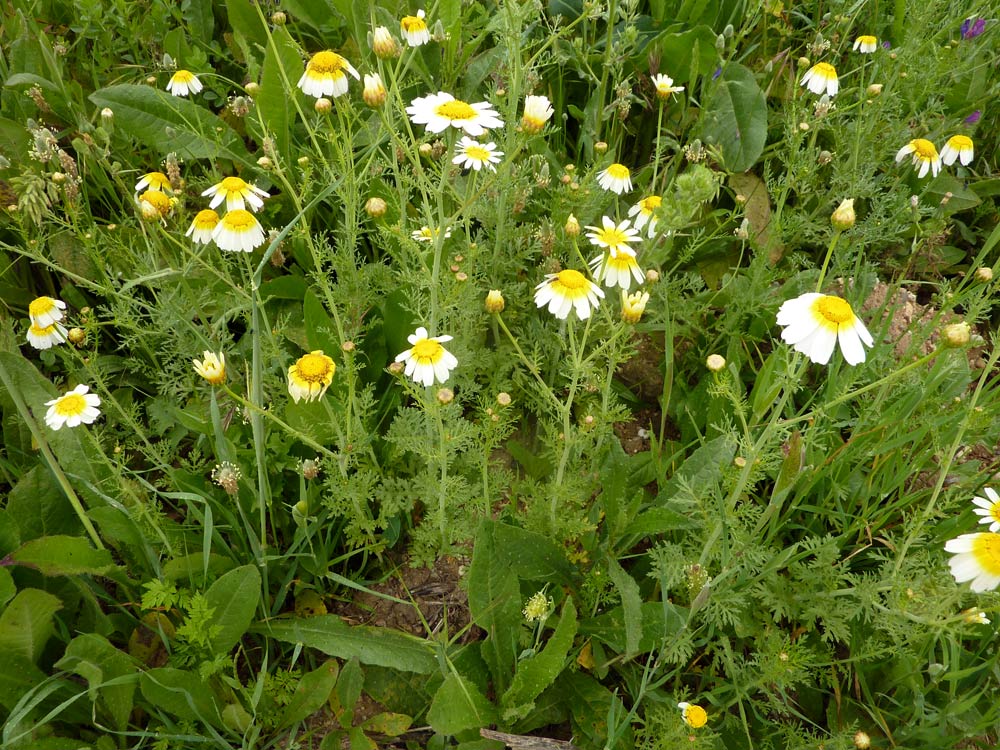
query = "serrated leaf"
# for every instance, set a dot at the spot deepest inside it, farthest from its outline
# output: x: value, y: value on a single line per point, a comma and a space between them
x: 26, y: 624
x: 234, y: 598
x: 329, y: 634
x: 170, y: 123
x: 63, y: 556
x: 458, y: 705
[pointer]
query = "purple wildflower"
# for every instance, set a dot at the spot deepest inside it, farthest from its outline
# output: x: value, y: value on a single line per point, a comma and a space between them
x: 973, y: 118
x: 973, y: 27
x: 886, y: 45
x: 717, y: 73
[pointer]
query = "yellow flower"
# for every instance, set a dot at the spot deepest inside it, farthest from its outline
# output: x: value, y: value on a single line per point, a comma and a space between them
x: 813, y: 324
x: 154, y: 204
x: 44, y: 311
x: 237, y: 193
x: 865, y: 44
x: 494, y: 302
x: 426, y: 360
x: 694, y: 715
x: 325, y: 75
x: 73, y: 408
x: 958, y: 147
x: 614, y: 237
x: 617, y: 178
x: 820, y: 78
x: 537, y: 111
x: 664, y: 86
x: 538, y: 607
x: 212, y: 368
x: 154, y: 181
x: 437, y: 112
x: 202, y: 226
x: 924, y: 155
x: 414, y: 29
x: 184, y: 82
x: 239, y: 230
x: 310, y: 376
x: 645, y: 211
x: 633, y: 306
x: 568, y: 290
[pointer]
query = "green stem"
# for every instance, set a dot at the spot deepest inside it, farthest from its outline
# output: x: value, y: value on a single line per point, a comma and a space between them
x: 826, y: 260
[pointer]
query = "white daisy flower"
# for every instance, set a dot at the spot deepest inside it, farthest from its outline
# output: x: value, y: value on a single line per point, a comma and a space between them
x: 202, y: 226
x: 310, y: 376
x: 44, y: 311
x: 568, y: 290
x: 988, y: 508
x: 865, y: 44
x: 820, y: 78
x: 414, y: 29
x: 958, y: 147
x: 615, y: 237
x: 537, y: 111
x: 428, y: 234
x: 153, y: 181
x: 239, y: 230
x: 73, y: 408
x: 617, y: 178
x: 813, y: 324
x: 924, y: 154
x: 426, y: 360
x: 326, y: 75
x: 236, y: 193
x: 471, y: 154
x: 45, y: 337
x: 184, y: 82
x: 617, y: 270
x: 977, y: 559
x: 439, y: 111
x: 645, y: 212
x: 664, y: 86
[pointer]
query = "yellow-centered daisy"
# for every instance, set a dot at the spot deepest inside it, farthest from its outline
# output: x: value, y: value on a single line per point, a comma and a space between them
x: 44, y: 311
x: 202, y: 226
x: 239, y: 230
x: 237, y: 193
x: 633, y: 306
x: 326, y: 75
x: 988, y: 508
x: 813, y: 323
x: 471, y: 154
x: 664, y: 86
x: 154, y: 181
x: 73, y: 408
x: 428, y: 234
x: 184, y: 82
x: 310, y: 376
x: 614, y: 237
x: 568, y: 290
x: 414, y: 29
x: 537, y: 111
x: 865, y: 44
x: 977, y: 559
x: 645, y: 212
x: 958, y: 147
x: 212, y: 368
x: 617, y: 270
x: 426, y: 360
x: 45, y: 337
x: 925, y: 156
x: 439, y: 111
x: 617, y: 178
x: 693, y: 715
x: 821, y: 78
x: 155, y: 204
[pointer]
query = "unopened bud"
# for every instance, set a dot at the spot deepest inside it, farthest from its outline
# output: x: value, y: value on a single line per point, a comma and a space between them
x: 984, y: 274
x: 264, y: 163
x: 503, y: 398
x: 384, y: 44
x: 252, y: 88
x: 76, y: 336
x: 572, y: 227
x: 494, y: 302
x: 323, y: 105
x: 956, y: 335
x: 843, y: 218
x: 445, y: 395
x: 874, y: 89
x: 348, y: 346
x: 303, y: 161
x: 426, y: 150
x: 803, y: 62
x: 804, y: 126
x: 825, y: 157
x: 715, y: 362
x: 107, y: 114
x: 652, y: 276
x: 279, y: 19
x: 600, y: 147
x: 862, y: 741
x: 396, y: 368
x: 374, y: 92
x: 376, y: 207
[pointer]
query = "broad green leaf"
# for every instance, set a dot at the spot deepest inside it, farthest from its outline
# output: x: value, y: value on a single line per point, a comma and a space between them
x: 191, y: 568
x: 688, y: 51
x: 659, y: 520
x: 590, y: 703
x: 282, y: 69
x: 180, y: 693
x: 321, y: 332
x: 735, y: 118
x: 660, y: 620
x: 702, y: 469
x: 628, y: 590
x: 245, y: 20
x: 92, y: 657
x: 26, y: 624
x: 316, y: 13
x: 388, y: 724
x: 329, y: 634
x: 40, y: 507
x: 458, y: 705
x: 171, y: 123
x: 7, y: 587
x: 537, y: 672
x: 63, y: 556
x: 495, y: 604
x: 18, y: 675
x: 234, y: 598
x: 311, y: 693
x: 347, y: 691
x: 530, y: 555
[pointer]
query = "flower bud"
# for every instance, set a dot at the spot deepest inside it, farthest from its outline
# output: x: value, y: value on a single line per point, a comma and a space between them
x: 600, y: 147
x: 384, y: 44
x: 374, y: 93
x: 76, y: 336
x: 874, y: 89
x: 652, y: 276
x: 376, y: 207
x: 825, y: 157
x: 426, y: 150
x: 862, y: 741
x: 984, y: 274
x: 633, y: 306
x: 572, y: 227
x: 107, y: 114
x: 303, y: 161
x: 494, y: 302
x: 956, y: 335
x: 348, y: 346
x: 445, y: 396
x: 252, y: 88
x: 264, y: 163
x: 503, y: 398
x: 843, y: 218
x: 715, y: 362
x: 279, y: 19
x: 323, y: 105
x: 803, y: 62
x: 396, y: 368
x: 310, y: 470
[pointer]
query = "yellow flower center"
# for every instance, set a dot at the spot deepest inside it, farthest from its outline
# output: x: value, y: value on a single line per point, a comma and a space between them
x: 411, y: 24
x: 865, y: 40
x: 157, y: 200
x: 427, y: 351
x: 924, y: 149
x: 41, y: 306
x: 834, y: 309
x: 455, y: 109
x: 314, y: 367
x: 239, y: 220
x: 960, y: 142
x: 183, y: 76
x: 994, y: 509
x: 70, y: 405
x: 695, y: 716
x: 206, y: 219
x: 326, y: 62
x: 986, y: 550
x: 477, y: 153
x: 613, y: 237
x: 157, y: 180
x: 233, y: 185
x: 825, y: 70
x: 618, y: 171
x: 650, y: 204
x: 572, y: 281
